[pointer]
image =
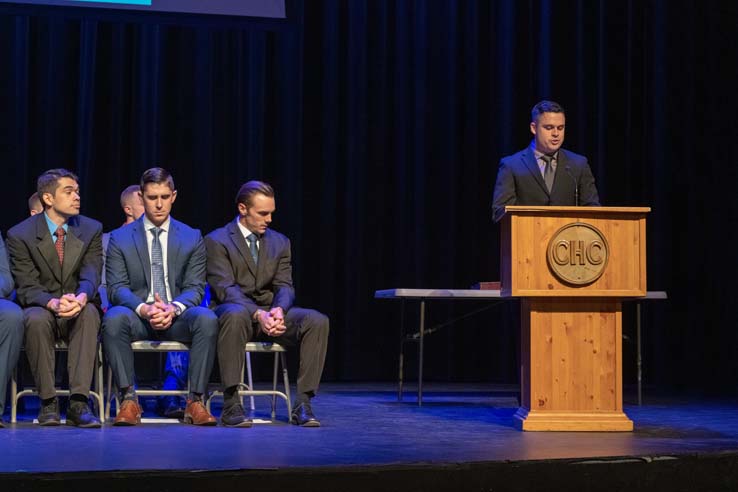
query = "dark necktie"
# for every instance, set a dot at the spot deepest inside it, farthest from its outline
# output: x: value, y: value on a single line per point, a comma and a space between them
x: 59, y: 244
x: 251, y: 239
x: 157, y: 265
x: 548, y: 171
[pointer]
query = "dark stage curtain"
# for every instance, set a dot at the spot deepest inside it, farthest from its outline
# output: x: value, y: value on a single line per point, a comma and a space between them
x: 380, y: 123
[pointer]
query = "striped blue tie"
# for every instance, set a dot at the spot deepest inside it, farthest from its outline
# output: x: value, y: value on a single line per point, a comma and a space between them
x: 157, y: 265
x: 251, y: 239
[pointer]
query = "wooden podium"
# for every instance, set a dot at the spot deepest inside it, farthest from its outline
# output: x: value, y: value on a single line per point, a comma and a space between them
x: 572, y: 266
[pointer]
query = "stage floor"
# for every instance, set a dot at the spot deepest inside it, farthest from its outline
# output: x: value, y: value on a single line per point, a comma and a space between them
x: 365, y: 425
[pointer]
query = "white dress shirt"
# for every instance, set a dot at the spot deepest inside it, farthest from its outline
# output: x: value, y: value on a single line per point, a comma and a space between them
x: 163, y: 240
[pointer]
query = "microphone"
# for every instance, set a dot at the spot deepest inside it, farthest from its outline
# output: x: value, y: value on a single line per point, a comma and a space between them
x: 576, y: 185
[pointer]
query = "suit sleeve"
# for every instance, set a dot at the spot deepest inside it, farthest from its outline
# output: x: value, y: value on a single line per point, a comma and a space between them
x: 91, y: 266
x: 193, y: 284
x: 6, y: 279
x: 588, y: 196
x: 29, y: 288
x: 284, y: 292
x: 222, y: 279
x: 504, y: 191
x: 116, y: 275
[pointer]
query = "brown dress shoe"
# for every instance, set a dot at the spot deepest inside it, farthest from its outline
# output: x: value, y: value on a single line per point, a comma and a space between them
x: 197, y: 414
x: 129, y: 413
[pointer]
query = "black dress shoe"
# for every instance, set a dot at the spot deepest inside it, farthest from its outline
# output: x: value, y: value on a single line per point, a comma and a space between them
x: 79, y: 414
x: 170, y: 407
x: 49, y: 414
x: 234, y: 416
x: 303, y: 416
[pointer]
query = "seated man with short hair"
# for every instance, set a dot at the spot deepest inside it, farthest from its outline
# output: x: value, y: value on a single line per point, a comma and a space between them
x: 250, y: 274
x: 155, y: 271
x: 56, y: 260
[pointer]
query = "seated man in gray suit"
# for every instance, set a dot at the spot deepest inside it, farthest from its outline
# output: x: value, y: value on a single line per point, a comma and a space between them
x: 155, y: 271
x: 250, y: 274
x: 544, y: 173
x: 11, y: 328
x: 56, y: 259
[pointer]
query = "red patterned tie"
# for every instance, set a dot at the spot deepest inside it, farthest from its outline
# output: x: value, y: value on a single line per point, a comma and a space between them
x: 59, y: 244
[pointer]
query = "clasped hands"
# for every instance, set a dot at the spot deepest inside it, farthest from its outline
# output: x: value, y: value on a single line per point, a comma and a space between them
x: 272, y: 321
x: 67, y: 306
x: 160, y: 314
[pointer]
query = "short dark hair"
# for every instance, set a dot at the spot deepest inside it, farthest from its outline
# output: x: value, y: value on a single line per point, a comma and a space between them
x: 545, y: 107
x: 157, y: 175
x: 48, y: 182
x: 128, y: 192
x: 251, y: 188
x: 34, y: 202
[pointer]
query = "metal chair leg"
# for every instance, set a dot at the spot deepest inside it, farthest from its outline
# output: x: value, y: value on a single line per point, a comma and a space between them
x: 110, y: 395
x: 283, y: 358
x: 13, y: 397
x: 274, y: 385
x: 99, y: 383
x: 251, y: 379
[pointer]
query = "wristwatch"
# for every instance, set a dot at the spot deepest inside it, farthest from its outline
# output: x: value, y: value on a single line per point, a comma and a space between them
x: 177, y: 310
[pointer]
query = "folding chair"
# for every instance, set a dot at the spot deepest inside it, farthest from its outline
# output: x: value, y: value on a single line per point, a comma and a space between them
x: 279, y: 357
x: 59, y: 346
x: 147, y: 346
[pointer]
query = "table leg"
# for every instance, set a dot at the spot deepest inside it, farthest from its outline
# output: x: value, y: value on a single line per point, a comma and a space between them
x: 420, y: 351
x: 639, y: 361
x: 402, y: 353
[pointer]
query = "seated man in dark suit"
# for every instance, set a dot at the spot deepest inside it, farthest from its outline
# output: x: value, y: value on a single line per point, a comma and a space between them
x: 250, y: 274
x: 56, y: 259
x: 155, y: 270
x: 11, y: 328
x: 544, y: 173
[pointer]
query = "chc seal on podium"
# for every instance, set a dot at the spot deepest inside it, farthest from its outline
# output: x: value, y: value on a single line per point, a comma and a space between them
x: 578, y: 253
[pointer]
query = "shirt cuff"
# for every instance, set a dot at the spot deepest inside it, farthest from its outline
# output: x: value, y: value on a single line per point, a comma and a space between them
x: 182, y: 307
x: 138, y: 309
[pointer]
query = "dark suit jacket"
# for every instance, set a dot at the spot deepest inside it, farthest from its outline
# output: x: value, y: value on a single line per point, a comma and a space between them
x: 35, y: 264
x: 234, y: 278
x: 519, y: 182
x: 6, y: 279
x: 128, y: 268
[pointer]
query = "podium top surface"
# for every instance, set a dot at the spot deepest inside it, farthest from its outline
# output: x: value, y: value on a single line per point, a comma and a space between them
x: 604, y: 210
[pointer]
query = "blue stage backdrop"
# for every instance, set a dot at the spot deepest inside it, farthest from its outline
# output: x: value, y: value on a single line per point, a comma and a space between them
x: 252, y: 8
x: 381, y: 124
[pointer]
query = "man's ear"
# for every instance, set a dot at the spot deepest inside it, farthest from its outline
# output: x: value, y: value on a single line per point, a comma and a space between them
x: 46, y: 199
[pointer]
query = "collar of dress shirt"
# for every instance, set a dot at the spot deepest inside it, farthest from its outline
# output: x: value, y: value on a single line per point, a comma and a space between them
x: 245, y: 232
x: 537, y: 153
x: 148, y: 224
x: 53, y: 227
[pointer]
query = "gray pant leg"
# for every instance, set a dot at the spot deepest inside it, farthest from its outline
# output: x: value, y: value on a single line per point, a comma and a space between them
x: 121, y: 326
x: 11, y: 339
x: 40, y: 327
x: 82, y: 334
x: 199, y: 327
x: 236, y: 330
x: 308, y: 329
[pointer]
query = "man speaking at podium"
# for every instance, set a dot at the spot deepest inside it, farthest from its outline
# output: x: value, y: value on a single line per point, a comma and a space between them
x: 544, y: 173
